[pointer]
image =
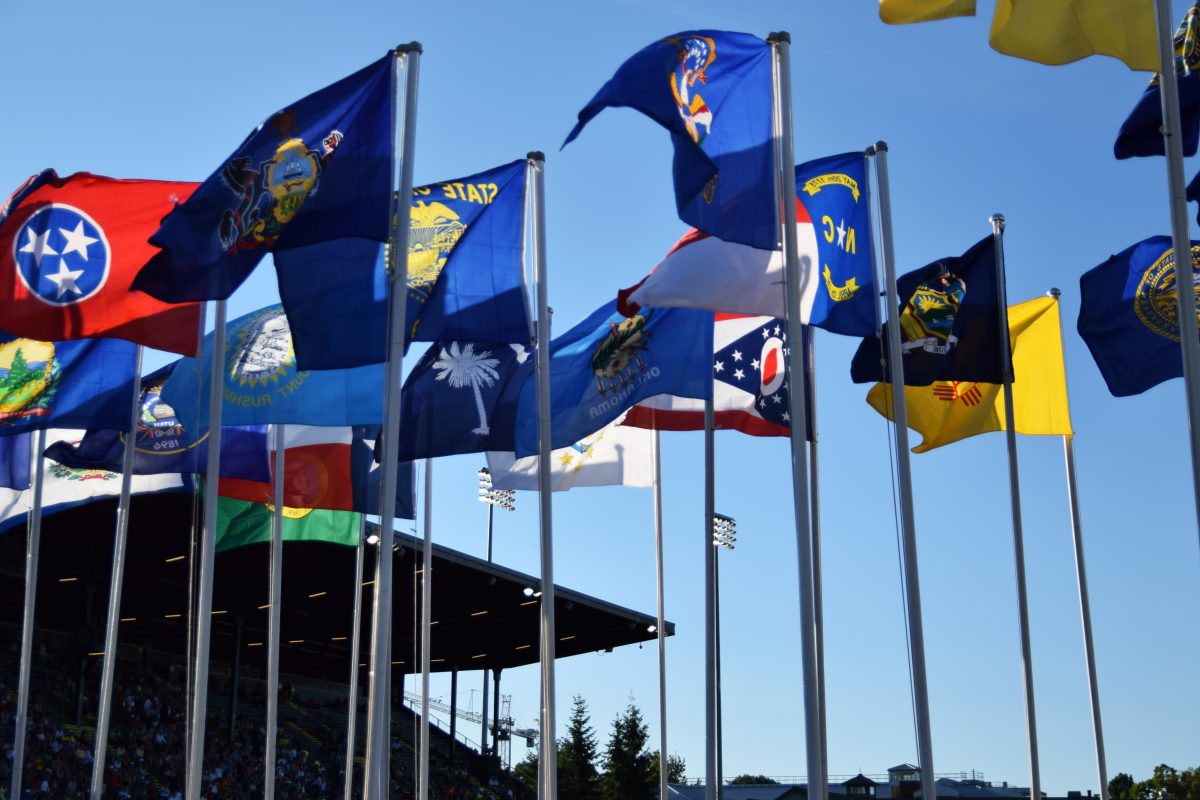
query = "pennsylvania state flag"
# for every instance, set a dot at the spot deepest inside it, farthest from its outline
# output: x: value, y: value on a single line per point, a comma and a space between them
x: 465, y: 278
x: 1128, y: 315
x: 712, y: 91
x: 1140, y: 134
x: 949, y: 323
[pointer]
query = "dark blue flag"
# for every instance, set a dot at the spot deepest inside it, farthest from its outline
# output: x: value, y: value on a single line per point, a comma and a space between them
x: 713, y: 91
x: 464, y: 276
x: 1140, y: 134
x: 318, y: 170
x: 609, y: 362
x: 461, y: 397
x: 77, y: 384
x: 364, y: 471
x: 949, y: 323
x: 839, y: 294
x: 1128, y: 315
x: 15, y: 455
x: 162, y: 444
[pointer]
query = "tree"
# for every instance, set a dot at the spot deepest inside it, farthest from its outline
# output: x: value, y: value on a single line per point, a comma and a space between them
x: 626, y: 762
x: 753, y: 780
x: 527, y: 770
x: 577, y: 753
x: 676, y: 768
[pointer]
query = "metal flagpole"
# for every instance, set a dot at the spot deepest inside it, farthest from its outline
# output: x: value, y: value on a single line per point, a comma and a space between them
x: 195, y: 764
x: 818, y: 603
x: 710, y: 629
x: 908, y: 527
x: 548, y: 761
x: 426, y: 629
x: 1085, y: 606
x: 1010, y: 430
x: 116, y: 583
x: 355, y: 637
x: 1180, y: 240
x: 781, y: 44
x: 33, y: 547
x: 661, y: 624
x: 379, y: 708
x: 280, y: 448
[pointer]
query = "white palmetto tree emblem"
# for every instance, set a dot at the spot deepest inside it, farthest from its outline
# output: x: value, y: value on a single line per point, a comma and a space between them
x: 464, y: 367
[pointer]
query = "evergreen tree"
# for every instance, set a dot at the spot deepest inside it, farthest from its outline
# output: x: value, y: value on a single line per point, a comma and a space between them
x: 676, y: 768
x: 577, y: 752
x: 626, y: 762
x: 19, y: 373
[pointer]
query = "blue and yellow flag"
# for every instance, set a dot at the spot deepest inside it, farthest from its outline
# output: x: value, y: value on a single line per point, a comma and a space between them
x: 712, y: 91
x: 1141, y: 133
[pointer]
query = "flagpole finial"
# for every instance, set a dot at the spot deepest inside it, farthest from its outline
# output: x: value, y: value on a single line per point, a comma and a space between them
x: 997, y: 221
x: 1055, y: 292
x: 880, y: 147
x: 411, y: 47
x: 536, y: 155
x: 779, y: 36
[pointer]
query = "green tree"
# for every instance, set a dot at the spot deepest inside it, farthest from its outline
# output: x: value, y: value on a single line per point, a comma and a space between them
x: 578, y: 778
x: 1164, y: 783
x: 527, y: 770
x: 676, y: 768
x: 753, y: 780
x: 626, y: 762
x: 1121, y: 787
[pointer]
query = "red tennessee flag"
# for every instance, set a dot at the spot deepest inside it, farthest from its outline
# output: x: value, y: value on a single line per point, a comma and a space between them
x: 69, y: 251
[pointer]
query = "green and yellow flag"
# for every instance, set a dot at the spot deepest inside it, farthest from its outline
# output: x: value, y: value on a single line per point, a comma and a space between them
x: 899, y: 12
x: 241, y: 522
x: 1061, y: 31
x: 948, y: 411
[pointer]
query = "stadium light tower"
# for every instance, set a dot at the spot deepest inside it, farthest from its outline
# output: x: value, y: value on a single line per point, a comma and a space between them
x: 507, y: 500
x: 724, y: 531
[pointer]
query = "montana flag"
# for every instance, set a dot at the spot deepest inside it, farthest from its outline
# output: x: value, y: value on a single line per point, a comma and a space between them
x: 1141, y: 134
x: 315, y: 171
x: 69, y: 251
x: 241, y: 522
x: 16, y: 452
x: 949, y: 323
x: 263, y: 384
x: 949, y: 411
x: 1128, y: 315
x: 162, y: 445
x: 712, y: 91
x: 80, y: 384
x: 1061, y: 31
x: 899, y: 12
x: 609, y: 362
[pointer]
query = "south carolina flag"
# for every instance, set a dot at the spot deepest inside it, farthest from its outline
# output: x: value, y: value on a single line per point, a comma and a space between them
x: 69, y: 251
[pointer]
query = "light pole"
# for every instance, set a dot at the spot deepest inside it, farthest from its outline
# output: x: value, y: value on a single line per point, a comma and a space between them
x: 724, y: 536
x: 507, y: 500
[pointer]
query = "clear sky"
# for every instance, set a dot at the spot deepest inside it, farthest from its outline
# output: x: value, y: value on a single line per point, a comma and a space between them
x: 166, y: 90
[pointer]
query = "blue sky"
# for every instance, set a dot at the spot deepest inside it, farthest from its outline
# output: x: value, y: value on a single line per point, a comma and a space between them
x: 149, y: 89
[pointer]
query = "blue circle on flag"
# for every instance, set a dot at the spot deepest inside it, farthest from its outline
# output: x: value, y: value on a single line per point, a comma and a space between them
x: 62, y: 255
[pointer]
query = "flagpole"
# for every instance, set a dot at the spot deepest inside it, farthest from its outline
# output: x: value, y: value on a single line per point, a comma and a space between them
x: 195, y: 764
x: 352, y: 710
x: 815, y: 501
x: 908, y: 527
x: 116, y: 583
x: 279, y: 445
x: 379, y: 707
x: 1180, y: 239
x: 1085, y: 605
x: 781, y: 44
x: 710, y: 603
x: 661, y: 624
x: 548, y: 777
x: 1010, y: 430
x: 426, y: 628
x: 33, y: 548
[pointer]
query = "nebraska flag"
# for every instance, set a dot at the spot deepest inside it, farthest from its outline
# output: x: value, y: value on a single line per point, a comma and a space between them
x: 69, y: 250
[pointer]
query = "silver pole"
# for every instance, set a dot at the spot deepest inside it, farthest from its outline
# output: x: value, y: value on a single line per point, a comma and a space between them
x: 483, y: 725
x: 908, y: 528
x: 661, y: 624
x: 1035, y: 773
x: 426, y: 629
x: 710, y: 603
x: 549, y: 755
x: 716, y: 579
x: 116, y: 583
x: 273, y: 620
x: 797, y: 402
x: 379, y: 708
x: 195, y: 764
x: 33, y: 547
x: 355, y: 637
x: 818, y: 602
x: 1180, y: 240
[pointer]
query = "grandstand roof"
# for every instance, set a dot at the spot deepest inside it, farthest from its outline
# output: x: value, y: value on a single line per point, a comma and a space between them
x: 483, y: 616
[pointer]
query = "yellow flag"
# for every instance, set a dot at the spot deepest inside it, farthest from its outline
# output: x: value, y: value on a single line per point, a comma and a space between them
x: 898, y: 12
x: 1062, y: 31
x: 948, y: 411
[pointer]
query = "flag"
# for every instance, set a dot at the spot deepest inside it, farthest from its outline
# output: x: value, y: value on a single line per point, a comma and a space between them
x: 948, y: 411
x: 712, y: 90
x: 1141, y: 134
x: 615, y: 455
x: 464, y: 276
x: 65, y: 487
x: 69, y: 251
x: 316, y: 471
x: 609, y: 362
x: 837, y: 271
x: 241, y: 522
x: 55, y: 384
x: 751, y: 358
x: 949, y: 323
x: 1061, y: 31
x: 365, y: 472
x: 898, y: 12
x: 263, y: 384
x: 315, y: 171
x: 162, y: 445
x: 1128, y: 315
x: 461, y: 397
x: 15, y: 454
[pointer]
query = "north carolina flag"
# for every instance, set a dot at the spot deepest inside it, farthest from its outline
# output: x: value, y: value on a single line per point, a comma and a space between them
x: 69, y: 251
